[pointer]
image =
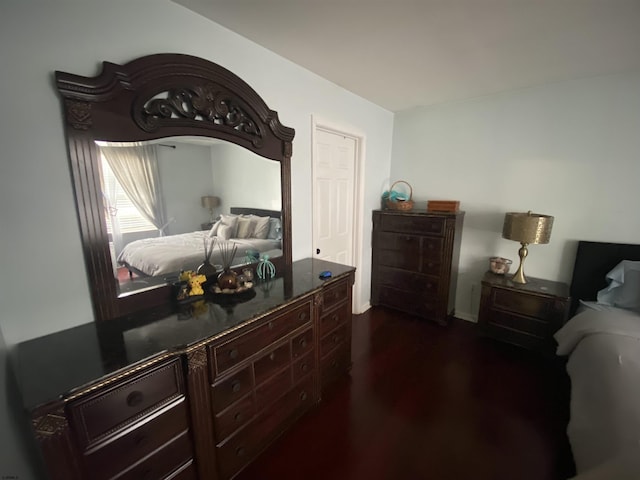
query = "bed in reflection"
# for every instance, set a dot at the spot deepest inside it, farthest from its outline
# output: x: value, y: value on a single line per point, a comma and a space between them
x: 251, y: 229
x: 602, y: 342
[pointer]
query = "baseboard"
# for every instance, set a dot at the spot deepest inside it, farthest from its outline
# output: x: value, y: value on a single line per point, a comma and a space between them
x: 363, y: 308
x: 466, y: 316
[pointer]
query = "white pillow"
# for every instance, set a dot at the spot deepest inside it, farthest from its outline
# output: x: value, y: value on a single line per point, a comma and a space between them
x: 245, y: 228
x: 275, y: 229
x: 261, y: 227
x: 214, y: 229
x: 225, y: 232
x: 231, y: 221
x: 623, y: 290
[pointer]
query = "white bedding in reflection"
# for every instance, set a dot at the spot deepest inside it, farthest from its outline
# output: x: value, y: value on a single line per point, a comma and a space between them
x: 604, y: 367
x: 170, y: 254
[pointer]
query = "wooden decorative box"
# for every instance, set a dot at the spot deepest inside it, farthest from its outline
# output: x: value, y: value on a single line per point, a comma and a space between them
x: 443, y: 205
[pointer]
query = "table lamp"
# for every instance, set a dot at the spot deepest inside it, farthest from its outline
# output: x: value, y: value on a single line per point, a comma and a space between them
x: 526, y: 228
x: 210, y: 202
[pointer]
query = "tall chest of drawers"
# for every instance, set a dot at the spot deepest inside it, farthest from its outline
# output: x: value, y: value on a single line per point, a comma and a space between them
x: 415, y: 262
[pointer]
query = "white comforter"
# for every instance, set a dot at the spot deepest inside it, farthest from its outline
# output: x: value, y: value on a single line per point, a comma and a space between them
x: 164, y: 255
x: 604, y: 366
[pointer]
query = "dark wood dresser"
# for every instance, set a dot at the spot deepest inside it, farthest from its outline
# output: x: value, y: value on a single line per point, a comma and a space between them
x: 415, y: 262
x: 196, y: 395
x: 527, y: 314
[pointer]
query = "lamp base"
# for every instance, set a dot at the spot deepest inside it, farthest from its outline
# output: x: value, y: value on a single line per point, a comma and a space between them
x: 519, y: 277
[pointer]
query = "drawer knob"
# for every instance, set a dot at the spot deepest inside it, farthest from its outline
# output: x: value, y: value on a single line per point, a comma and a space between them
x: 272, y: 357
x: 303, y: 396
x: 135, y: 398
x: 233, y: 353
x: 139, y: 438
x: 270, y: 325
x: 238, y: 417
x: 336, y: 338
x: 304, y: 367
x: 303, y: 342
x: 240, y: 451
x: 235, y: 386
x: 335, y: 318
x: 302, y: 315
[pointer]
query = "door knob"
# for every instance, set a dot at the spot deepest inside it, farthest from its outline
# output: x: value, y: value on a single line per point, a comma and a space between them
x: 317, y: 251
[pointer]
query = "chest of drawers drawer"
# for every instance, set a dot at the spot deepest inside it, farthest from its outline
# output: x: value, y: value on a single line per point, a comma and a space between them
x: 246, y: 344
x: 413, y: 224
x: 409, y: 281
x: 109, y: 410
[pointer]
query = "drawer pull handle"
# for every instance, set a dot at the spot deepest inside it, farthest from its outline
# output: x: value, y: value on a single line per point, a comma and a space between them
x: 139, y: 438
x: 335, y: 338
x: 135, y: 398
x: 237, y: 417
x: 272, y: 357
x: 334, y: 364
x: 270, y: 325
x: 302, y: 315
x: 303, y: 342
x: 303, y: 396
x: 240, y: 451
x: 235, y: 386
x: 335, y: 318
x: 304, y: 367
x: 233, y: 354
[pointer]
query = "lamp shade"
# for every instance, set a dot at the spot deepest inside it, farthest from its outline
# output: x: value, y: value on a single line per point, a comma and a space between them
x: 209, y: 201
x: 527, y: 228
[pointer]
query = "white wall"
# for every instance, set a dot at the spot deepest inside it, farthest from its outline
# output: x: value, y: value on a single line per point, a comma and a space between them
x: 569, y: 149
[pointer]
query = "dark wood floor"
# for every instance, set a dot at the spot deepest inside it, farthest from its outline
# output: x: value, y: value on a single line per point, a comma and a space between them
x: 427, y: 402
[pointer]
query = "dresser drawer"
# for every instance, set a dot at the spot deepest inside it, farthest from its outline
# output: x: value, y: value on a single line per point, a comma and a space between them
x: 271, y: 362
x: 186, y: 472
x: 234, y: 417
x: 115, y: 456
x: 239, y: 449
x: 163, y: 463
x: 409, y: 281
x: 233, y: 388
x: 334, y: 365
x: 522, y: 303
x: 303, y: 367
x: 232, y: 352
x: 418, y: 224
x: 113, y: 408
x: 274, y: 388
x: 330, y: 321
x: 333, y: 340
x: 334, y: 295
x: 302, y: 343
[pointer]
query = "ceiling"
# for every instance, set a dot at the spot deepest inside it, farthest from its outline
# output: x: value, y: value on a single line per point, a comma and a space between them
x: 402, y: 54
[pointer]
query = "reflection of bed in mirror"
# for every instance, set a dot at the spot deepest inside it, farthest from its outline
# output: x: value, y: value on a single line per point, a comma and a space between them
x: 168, y: 255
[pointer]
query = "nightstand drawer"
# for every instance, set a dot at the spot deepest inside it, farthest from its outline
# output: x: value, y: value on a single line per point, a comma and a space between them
x: 522, y: 303
x: 517, y: 323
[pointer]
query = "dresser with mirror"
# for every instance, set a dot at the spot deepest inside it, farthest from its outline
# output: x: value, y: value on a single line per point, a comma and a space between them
x: 154, y: 388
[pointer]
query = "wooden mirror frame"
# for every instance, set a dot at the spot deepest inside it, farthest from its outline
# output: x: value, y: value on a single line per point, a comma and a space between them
x: 156, y: 96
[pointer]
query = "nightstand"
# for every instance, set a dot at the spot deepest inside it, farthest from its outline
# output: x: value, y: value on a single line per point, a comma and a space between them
x: 523, y: 314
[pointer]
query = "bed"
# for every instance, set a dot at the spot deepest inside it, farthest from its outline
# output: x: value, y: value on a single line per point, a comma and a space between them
x: 602, y: 343
x: 163, y: 256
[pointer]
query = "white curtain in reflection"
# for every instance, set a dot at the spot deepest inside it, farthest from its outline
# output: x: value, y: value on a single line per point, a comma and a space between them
x: 136, y: 168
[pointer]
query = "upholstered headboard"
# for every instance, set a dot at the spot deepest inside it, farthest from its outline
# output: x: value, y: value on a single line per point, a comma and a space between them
x: 593, y: 261
x: 255, y: 211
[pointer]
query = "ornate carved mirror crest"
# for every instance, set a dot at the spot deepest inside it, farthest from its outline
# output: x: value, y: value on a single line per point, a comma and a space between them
x: 158, y: 97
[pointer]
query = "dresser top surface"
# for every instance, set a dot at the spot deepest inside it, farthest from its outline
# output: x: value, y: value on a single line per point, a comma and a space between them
x: 420, y: 211
x: 57, y: 364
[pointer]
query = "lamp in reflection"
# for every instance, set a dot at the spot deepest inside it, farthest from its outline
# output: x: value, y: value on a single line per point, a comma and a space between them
x: 210, y: 202
x: 526, y: 228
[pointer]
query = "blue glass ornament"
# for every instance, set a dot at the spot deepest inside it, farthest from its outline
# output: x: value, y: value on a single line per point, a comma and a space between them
x: 265, y: 268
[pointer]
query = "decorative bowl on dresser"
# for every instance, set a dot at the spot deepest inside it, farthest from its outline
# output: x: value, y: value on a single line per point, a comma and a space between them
x: 415, y: 262
x: 526, y: 314
x: 187, y: 398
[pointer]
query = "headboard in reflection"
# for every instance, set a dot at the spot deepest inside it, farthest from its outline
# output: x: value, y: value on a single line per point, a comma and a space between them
x: 206, y: 133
